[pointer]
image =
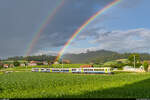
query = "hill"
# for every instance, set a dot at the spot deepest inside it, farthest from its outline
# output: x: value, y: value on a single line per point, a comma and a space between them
x: 101, y: 56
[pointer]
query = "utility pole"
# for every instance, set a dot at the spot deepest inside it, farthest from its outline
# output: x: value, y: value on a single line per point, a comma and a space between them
x: 62, y: 62
x: 134, y: 61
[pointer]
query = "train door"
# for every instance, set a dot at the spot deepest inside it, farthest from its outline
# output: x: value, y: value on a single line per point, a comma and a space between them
x: 106, y: 70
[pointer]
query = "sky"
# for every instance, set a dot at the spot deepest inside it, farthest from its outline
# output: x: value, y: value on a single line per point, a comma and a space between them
x: 123, y: 28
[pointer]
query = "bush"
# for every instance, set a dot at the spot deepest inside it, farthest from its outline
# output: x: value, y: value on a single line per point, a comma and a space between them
x: 145, y: 64
x: 1, y: 65
x: 16, y: 63
x: 40, y: 63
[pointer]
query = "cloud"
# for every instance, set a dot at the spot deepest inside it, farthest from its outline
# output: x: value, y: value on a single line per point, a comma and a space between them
x: 130, y: 3
x: 134, y: 40
x: 43, y: 52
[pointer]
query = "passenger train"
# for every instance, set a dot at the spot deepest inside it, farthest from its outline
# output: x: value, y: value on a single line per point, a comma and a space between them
x: 104, y: 70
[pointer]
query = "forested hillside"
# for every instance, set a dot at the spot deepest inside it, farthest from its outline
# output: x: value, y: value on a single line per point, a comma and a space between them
x: 101, y: 56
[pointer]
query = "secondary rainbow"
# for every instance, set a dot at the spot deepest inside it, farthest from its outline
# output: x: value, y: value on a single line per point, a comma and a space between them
x: 86, y: 23
x: 43, y: 26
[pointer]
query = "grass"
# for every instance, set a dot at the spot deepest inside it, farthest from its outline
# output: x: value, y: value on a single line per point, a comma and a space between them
x: 11, y: 61
x: 54, y: 85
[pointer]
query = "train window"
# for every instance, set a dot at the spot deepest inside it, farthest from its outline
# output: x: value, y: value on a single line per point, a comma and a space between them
x: 88, y: 69
x: 55, y: 70
x: 85, y: 69
x: 65, y: 70
x: 73, y: 69
x: 98, y: 69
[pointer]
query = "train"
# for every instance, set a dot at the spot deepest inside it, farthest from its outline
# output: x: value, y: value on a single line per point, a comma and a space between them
x: 104, y: 70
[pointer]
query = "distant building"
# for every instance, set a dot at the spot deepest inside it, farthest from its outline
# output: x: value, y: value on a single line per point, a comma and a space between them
x: 86, y: 66
x: 5, y: 65
x: 129, y: 68
x: 23, y: 65
x: 45, y: 63
x: 56, y: 62
x: 33, y: 63
x: 11, y: 65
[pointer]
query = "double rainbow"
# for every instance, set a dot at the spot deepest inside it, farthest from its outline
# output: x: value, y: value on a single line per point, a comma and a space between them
x: 86, y: 23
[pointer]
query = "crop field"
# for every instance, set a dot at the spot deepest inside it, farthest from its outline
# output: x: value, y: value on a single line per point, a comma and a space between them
x: 66, y: 65
x: 54, y: 85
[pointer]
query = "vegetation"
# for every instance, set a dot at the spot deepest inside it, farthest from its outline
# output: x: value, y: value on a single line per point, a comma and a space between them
x: 30, y: 58
x: 145, y: 64
x: 54, y: 85
x: 16, y: 63
x: 135, y: 57
x: 12, y: 61
x: 102, y: 56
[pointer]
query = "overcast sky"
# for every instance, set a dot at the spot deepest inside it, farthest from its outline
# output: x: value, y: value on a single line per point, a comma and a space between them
x: 123, y: 28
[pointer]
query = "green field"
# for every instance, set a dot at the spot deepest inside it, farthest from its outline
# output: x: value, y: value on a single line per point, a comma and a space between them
x: 58, y: 85
x: 11, y: 61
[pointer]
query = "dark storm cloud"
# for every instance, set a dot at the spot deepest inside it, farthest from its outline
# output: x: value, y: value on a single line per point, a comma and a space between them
x: 19, y: 20
x: 70, y: 17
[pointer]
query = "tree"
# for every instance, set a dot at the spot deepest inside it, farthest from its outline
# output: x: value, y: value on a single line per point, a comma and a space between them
x: 145, y: 64
x: 137, y: 59
x: 16, y: 63
x: 1, y: 65
x: 39, y: 63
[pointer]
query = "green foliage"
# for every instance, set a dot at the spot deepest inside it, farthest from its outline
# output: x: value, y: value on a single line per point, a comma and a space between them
x: 16, y: 63
x: 145, y: 64
x: 12, y: 61
x: 40, y: 63
x: 31, y: 58
x: 131, y: 58
x: 1, y: 65
x: 54, y: 85
x: 135, y: 57
x: 40, y: 58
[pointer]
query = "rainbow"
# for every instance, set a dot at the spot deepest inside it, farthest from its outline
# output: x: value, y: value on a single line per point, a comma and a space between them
x: 43, y: 26
x: 86, y: 23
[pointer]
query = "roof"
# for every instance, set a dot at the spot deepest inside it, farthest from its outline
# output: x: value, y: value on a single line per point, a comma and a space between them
x: 5, y: 64
x: 86, y: 66
x: 34, y: 62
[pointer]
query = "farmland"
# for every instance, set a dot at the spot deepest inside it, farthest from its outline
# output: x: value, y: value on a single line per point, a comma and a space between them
x: 54, y: 85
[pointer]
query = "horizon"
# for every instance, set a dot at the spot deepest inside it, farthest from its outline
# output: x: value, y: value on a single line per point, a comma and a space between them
x: 55, y: 55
